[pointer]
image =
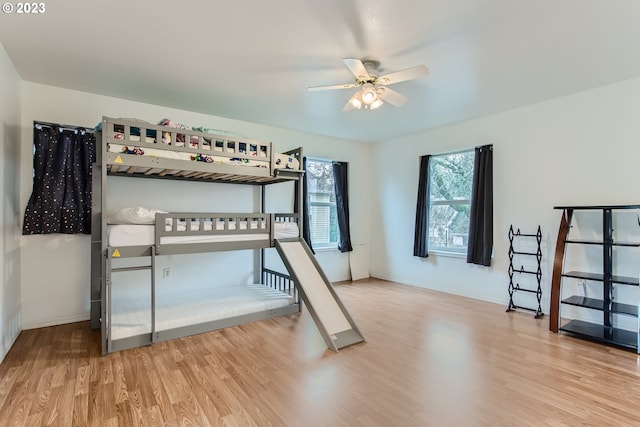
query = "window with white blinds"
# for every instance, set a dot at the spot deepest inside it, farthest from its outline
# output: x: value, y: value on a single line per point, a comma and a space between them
x: 323, y: 219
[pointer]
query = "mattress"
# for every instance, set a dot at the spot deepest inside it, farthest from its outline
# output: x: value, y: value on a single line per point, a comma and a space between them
x: 144, y: 235
x: 174, y: 309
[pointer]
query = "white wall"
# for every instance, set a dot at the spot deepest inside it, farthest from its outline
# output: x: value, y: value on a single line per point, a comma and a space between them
x: 55, y: 268
x: 10, y: 311
x: 579, y: 149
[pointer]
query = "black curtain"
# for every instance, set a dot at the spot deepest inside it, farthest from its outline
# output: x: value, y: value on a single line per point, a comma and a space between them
x: 341, y: 187
x: 60, y: 201
x: 306, y: 228
x: 480, y: 245
x: 421, y: 234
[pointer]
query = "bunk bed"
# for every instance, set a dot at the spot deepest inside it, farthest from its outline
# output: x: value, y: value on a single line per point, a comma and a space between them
x: 136, y: 149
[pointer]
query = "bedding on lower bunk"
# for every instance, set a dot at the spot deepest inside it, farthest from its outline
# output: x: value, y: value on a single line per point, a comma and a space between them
x: 144, y: 235
x: 175, y: 309
x: 137, y: 227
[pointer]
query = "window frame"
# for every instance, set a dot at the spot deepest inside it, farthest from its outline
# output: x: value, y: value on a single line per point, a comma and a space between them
x: 446, y: 250
x: 321, y: 245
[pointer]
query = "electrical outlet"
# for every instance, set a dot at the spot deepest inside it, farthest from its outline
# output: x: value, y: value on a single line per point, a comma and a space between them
x: 581, y: 289
x: 166, y: 272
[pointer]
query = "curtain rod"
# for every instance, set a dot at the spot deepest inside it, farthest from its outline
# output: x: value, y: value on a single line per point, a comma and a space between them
x: 462, y: 150
x: 458, y: 151
x: 74, y: 128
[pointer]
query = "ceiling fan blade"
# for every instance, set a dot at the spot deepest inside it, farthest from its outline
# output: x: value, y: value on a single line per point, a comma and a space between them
x: 357, y: 68
x: 344, y: 86
x: 391, y: 96
x: 403, y: 75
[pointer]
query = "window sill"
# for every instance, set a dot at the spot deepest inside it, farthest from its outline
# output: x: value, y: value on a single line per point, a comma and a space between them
x: 446, y: 254
x: 326, y: 249
x: 461, y: 255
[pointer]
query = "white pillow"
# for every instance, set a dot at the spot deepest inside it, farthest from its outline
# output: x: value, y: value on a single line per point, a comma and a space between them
x: 138, y: 215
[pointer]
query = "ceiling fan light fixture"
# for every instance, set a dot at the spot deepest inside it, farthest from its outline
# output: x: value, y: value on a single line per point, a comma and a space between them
x: 372, y: 89
x: 375, y: 104
x: 356, y: 100
x: 369, y: 94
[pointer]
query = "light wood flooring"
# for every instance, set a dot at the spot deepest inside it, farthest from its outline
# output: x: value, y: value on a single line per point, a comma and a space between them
x: 430, y: 359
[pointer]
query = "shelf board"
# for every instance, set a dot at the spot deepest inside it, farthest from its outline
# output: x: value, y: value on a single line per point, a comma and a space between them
x: 623, y: 280
x: 600, y: 242
x: 602, y: 334
x: 598, y: 207
x: 598, y: 304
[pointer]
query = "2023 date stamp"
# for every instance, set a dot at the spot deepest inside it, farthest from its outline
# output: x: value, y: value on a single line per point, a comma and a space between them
x: 24, y: 8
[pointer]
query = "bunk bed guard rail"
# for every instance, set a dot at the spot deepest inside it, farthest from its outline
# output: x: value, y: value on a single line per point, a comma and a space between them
x: 237, y: 229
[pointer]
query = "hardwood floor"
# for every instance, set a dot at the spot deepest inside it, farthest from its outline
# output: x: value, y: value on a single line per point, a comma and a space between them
x: 430, y: 359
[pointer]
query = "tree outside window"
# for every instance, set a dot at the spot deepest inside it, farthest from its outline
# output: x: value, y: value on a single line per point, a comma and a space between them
x: 323, y: 219
x: 451, y: 183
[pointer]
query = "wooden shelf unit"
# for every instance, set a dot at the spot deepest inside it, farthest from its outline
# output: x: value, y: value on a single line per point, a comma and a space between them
x: 604, y: 332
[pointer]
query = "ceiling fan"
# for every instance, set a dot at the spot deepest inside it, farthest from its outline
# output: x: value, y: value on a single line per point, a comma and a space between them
x: 373, y: 88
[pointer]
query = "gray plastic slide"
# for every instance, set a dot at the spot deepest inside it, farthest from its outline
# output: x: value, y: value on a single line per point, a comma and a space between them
x: 329, y: 314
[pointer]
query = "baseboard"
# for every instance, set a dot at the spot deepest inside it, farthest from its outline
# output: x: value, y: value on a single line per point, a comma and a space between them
x: 11, y: 329
x: 7, y: 345
x: 446, y: 291
x: 56, y: 322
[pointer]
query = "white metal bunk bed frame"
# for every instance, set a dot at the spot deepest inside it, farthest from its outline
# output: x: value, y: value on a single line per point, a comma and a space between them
x: 132, y: 165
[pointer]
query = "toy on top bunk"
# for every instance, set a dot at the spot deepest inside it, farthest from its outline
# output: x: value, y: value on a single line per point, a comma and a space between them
x: 231, y: 161
x: 135, y: 150
x: 209, y: 159
x: 237, y: 160
x: 207, y: 144
x: 180, y: 138
x: 193, y: 141
x: 202, y: 158
x: 287, y: 163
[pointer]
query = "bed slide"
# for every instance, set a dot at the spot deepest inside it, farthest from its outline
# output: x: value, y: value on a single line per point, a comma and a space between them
x: 329, y: 314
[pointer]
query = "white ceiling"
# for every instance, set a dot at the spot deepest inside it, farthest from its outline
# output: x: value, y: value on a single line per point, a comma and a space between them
x: 253, y: 60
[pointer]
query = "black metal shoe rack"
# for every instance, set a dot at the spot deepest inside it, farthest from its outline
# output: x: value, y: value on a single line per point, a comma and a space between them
x: 514, y: 287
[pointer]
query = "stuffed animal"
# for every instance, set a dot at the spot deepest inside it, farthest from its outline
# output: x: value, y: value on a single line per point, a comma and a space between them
x: 180, y: 139
x: 202, y: 158
x: 135, y: 150
x: 238, y: 160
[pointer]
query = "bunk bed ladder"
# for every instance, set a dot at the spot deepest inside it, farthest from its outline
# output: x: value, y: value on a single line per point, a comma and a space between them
x: 108, y: 343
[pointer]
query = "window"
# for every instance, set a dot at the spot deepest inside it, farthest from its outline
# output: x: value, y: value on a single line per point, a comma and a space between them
x: 323, y: 218
x: 451, y: 183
